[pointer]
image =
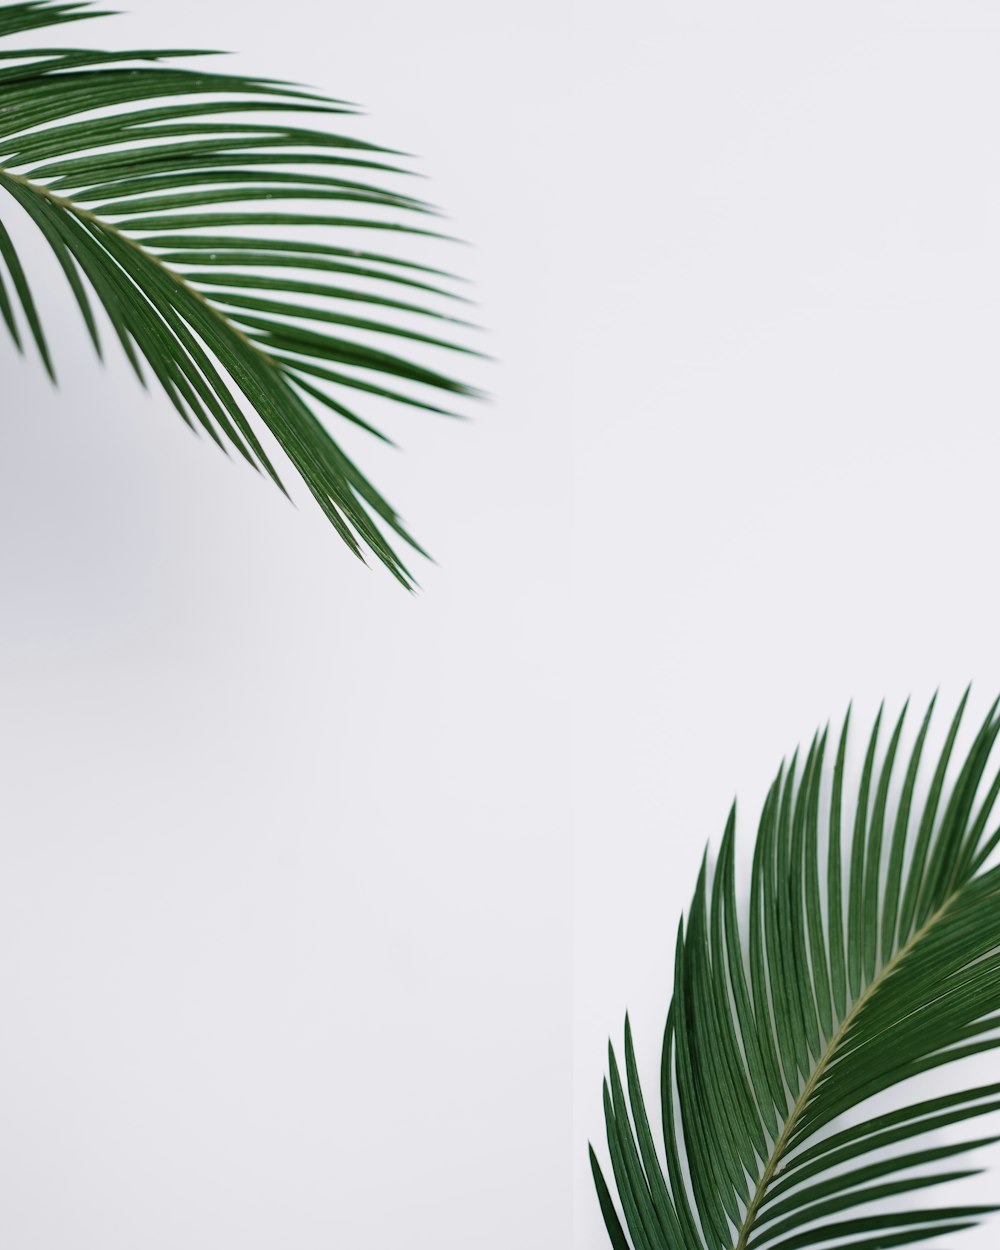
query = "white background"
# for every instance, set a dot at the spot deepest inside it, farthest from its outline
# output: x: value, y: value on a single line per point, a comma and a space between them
x: 787, y: 436
x: 284, y: 861
x: 286, y: 922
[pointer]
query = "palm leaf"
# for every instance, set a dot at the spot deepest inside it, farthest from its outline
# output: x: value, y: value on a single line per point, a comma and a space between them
x: 869, y: 954
x: 155, y: 187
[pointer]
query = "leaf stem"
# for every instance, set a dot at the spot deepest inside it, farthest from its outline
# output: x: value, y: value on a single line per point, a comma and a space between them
x: 86, y: 215
x: 781, y: 1144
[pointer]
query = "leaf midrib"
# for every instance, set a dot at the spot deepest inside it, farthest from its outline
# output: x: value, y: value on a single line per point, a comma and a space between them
x: 782, y: 1141
x: 85, y: 214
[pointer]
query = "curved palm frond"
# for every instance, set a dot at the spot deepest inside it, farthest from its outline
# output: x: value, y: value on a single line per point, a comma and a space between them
x: 155, y: 186
x: 868, y: 955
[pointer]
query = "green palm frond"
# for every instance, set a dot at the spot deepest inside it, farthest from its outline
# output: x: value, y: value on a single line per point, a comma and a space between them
x: 155, y: 187
x: 868, y: 954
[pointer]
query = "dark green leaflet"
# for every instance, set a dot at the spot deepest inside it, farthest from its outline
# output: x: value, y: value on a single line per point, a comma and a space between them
x: 860, y: 966
x: 104, y: 185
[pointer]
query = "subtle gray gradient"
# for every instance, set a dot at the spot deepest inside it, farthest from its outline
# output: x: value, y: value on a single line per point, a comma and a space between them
x: 284, y: 852
x: 285, y: 857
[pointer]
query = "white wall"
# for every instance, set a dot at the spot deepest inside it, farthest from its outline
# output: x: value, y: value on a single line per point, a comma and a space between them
x: 787, y: 434
x: 285, y: 900
x: 284, y: 852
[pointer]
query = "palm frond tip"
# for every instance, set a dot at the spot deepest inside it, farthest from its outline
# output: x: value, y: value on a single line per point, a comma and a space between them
x: 869, y: 954
x: 123, y: 161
